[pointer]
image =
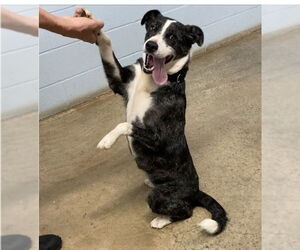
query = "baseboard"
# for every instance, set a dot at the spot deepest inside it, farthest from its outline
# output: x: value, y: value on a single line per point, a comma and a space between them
x: 226, y: 41
x: 282, y: 31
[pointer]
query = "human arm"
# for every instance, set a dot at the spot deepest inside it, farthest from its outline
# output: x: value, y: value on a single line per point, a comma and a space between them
x: 82, y: 28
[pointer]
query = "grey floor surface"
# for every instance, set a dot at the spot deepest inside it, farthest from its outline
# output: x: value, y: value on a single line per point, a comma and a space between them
x: 281, y: 140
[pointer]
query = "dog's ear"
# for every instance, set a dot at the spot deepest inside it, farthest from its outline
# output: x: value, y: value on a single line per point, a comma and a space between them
x: 195, y: 34
x: 150, y: 15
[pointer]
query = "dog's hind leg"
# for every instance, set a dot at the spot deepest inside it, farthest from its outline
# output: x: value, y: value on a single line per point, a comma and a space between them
x: 171, y: 209
x: 107, y: 141
x: 160, y: 222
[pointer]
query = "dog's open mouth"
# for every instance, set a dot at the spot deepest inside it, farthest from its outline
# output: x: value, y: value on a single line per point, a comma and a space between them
x: 156, y: 66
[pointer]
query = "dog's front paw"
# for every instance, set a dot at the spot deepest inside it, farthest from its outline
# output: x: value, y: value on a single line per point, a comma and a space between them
x: 86, y: 13
x: 106, y: 142
x: 82, y: 12
x: 160, y: 222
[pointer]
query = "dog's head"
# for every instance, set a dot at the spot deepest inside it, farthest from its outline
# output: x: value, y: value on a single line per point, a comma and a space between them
x: 167, y: 45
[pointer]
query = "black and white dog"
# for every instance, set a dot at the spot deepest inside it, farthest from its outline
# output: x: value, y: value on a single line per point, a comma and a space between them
x: 154, y: 93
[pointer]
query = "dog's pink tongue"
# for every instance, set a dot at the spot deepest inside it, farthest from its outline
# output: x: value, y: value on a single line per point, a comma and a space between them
x: 159, y: 74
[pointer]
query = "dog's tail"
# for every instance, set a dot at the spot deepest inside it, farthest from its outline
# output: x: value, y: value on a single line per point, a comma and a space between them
x: 218, y: 220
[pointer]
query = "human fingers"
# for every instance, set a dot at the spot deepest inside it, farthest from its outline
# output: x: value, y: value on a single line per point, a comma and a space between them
x: 78, y: 12
x: 98, y: 24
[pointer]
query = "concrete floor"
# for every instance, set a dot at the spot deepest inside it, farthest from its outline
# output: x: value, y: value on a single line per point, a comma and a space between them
x: 96, y: 199
x: 19, y: 178
x: 281, y: 140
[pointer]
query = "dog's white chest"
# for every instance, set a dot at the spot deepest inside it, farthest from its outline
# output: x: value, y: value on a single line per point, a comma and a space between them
x: 139, y: 96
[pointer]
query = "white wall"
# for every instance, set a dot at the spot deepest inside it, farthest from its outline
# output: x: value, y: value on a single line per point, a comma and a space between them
x: 71, y: 70
x: 277, y: 17
x: 19, y: 67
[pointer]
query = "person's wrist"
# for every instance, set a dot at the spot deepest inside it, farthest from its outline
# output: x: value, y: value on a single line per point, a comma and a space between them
x: 61, y: 26
x: 31, y: 26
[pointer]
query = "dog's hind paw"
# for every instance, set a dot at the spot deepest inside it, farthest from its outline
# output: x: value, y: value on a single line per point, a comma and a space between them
x: 160, y: 222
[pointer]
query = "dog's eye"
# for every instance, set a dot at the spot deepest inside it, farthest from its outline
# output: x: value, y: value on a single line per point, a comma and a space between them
x: 153, y: 27
x: 171, y: 37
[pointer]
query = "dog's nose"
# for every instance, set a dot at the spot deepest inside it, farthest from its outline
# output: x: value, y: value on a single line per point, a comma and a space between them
x: 151, y: 46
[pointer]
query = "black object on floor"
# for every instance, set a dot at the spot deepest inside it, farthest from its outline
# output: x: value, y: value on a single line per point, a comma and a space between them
x: 50, y: 242
x: 15, y: 242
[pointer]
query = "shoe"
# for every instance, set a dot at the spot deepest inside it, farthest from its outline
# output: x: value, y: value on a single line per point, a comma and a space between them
x: 50, y: 242
x: 15, y: 242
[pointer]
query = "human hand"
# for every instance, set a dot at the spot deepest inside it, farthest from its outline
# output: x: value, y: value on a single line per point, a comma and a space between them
x: 82, y: 28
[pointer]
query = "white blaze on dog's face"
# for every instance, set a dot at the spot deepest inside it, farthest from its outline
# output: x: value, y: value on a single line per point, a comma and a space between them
x: 167, y: 45
x: 163, y: 49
